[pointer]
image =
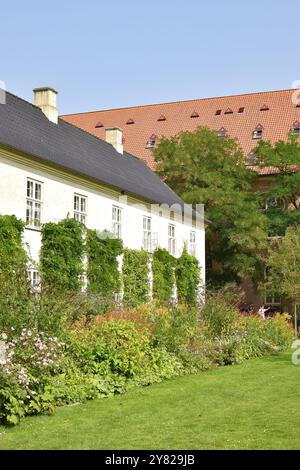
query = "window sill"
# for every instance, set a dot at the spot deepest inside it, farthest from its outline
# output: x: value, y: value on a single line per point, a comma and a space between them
x: 33, y: 229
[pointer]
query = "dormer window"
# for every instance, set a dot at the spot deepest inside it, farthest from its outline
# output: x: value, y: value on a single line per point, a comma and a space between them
x: 222, y: 133
x: 264, y: 108
x: 228, y: 111
x: 194, y: 115
x: 241, y: 110
x: 218, y: 112
x: 295, y: 130
x: 258, y: 133
x: 250, y: 159
x: 162, y: 118
x: 129, y: 122
x: 151, y: 142
x: 99, y: 125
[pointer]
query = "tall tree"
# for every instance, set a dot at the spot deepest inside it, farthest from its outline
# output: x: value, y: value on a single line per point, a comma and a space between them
x: 204, y: 168
x: 284, y: 266
x: 282, y: 198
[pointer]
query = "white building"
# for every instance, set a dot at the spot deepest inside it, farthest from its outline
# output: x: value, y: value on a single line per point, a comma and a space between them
x: 50, y: 170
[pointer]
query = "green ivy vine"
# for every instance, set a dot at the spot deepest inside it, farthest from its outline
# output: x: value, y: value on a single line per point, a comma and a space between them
x: 163, y: 269
x: 61, y: 255
x: 102, y: 272
x: 187, y: 274
x: 13, y: 257
x: 135, y: 274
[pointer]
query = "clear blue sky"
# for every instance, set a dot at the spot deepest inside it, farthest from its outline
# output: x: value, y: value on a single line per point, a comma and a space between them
x: 100, y: 53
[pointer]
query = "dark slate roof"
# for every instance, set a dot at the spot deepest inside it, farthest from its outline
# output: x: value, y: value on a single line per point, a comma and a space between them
x: 24, y: 127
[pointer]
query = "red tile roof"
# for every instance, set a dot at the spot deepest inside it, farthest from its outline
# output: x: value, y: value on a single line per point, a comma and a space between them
x: 167, y: 119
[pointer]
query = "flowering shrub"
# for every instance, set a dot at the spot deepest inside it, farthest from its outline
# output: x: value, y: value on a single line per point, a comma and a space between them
x: 27, y: 362
x: 106, y: 355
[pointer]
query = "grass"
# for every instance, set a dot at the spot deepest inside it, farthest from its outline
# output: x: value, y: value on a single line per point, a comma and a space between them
x: 252, y: 406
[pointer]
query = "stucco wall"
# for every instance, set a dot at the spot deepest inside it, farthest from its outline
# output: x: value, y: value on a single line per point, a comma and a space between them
x: 58, y: 199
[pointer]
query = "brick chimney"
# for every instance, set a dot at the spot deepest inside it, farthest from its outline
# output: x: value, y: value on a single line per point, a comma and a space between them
x: 114, y: 136
x: 45, y: 98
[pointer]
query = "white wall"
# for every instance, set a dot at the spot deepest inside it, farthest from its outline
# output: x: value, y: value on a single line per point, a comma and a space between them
x: 58, y: 194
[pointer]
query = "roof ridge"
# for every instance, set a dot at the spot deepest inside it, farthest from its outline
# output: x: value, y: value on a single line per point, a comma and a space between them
x: 21, y: 99
x: 179, y: 101
x: 98, y: 138
x: 69, y: 123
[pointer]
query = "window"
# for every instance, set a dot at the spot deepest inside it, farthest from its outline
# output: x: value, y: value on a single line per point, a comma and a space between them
x: 228, y: 111
x: 80, y: 208
x: 83, y: 282
x: 147, y: 233
x: 117, y: 221
x: 250, y: 159
x: 222, y: 133
x: 162, y: 118
x: 275, y: 203
x: 99, y: 125
x: 193, y: 243
x: 34, y: 203
x: 257, y: 134
x: 151, y: 142
x: 218, y: 112
x: 264, y: 108
x: 172, y: 239
x: 34, y: 279
x: 241, y: 110
x: 296, y: 128
x: 194, y: 115
x: 129, y: 122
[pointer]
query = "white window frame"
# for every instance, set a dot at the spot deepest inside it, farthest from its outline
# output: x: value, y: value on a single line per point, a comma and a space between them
x: 147, y: 233
x: 34, y: 278
x: 34, y: 203
x: 193, y: 243
x: 117, y: 221
x: 257, y: 134
x: 80, y: 208
x: 172, y: 239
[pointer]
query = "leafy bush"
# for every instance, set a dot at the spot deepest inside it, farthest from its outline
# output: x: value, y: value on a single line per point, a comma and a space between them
x: 26, y: 365
x: 219, y: 316
x: 112, y: 346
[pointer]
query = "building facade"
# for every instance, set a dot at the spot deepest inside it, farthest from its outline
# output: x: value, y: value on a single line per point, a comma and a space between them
x: 50, y: 170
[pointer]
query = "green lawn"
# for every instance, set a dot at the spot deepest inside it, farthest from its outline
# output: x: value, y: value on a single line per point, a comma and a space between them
x: 253, y: 406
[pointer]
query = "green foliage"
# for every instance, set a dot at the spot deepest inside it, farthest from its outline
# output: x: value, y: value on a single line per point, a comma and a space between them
x: 204, y: 169
x: 284, y: 266
x: 102, y: 272
x: 219, y: 316
x: 12, y: 255
x: 135, y: 274
x: 187, y: 278
x: 285, y: 184
x: 163, y: 267
x: 279, y: 220
x: 285, y: 157
x: 61, y: 255
x: 14, y: 292
x: 113, y: 346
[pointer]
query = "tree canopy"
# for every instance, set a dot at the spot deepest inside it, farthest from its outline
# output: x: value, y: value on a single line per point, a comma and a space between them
x: 284, y: 266
x: 206, y: 169
x: 283, y: 195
